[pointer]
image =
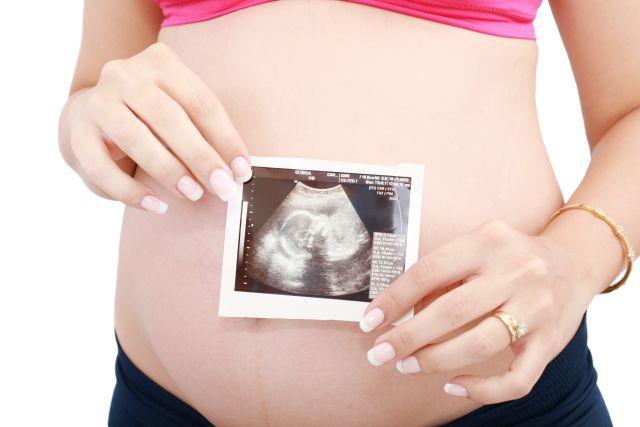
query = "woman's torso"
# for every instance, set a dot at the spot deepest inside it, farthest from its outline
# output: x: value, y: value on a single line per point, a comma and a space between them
x: 339, y: 81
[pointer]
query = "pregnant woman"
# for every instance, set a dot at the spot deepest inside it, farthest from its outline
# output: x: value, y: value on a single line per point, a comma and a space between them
x: 169, y: 100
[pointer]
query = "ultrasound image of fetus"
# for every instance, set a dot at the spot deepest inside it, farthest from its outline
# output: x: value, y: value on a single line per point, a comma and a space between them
x: 314, y: 243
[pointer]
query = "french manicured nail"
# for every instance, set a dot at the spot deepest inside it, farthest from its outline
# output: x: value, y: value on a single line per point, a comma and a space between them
x: 222, y: 184
x: 241, y: 169
x: 190, y: 188
x: 371, y: 320
x: 408, y: 365
x: 455, y: 390
x: 381, y: 353
x: 153, y: 204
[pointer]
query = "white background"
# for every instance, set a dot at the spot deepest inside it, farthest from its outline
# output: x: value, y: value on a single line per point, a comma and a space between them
x: 59, y: 242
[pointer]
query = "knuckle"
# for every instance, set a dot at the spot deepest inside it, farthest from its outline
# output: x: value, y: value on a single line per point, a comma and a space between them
x: 122, y: 134
x: 425, y: 270
x: 95, y: 102
x: 430, y: 363
x: 546, y: 300
x: 114, y: 70
x: 454, y: 308
x: 496, y: 230
x: 484, y: 394
x: 228, y: 142
x: 167, y: 176
x: 521, y: 387
x: 126, y: 193
x: 167, y: 173
x: 485, y: 346
x: 391, y: 304
x: 200, y: 160
x: 163, y: 115
x: 404, y: 340
x: 159, y: 53
x: 95, y: 170
x: 120, y: 128
x: 535, y: 267
x: 96, y: 189
x: 204, y: 103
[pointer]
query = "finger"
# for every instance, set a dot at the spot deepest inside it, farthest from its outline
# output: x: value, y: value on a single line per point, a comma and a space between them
x: 101, y: 170
x: 481, y: 342
x: 449, y: 312
x: 517, y: 382
x: 170, y: 122
x: 135, y: 139
x: 203, y: 107
x: 450, y: 262
x: 472, y: 346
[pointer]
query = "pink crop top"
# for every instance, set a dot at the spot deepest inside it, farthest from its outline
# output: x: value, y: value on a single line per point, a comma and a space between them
x: 507, y: 18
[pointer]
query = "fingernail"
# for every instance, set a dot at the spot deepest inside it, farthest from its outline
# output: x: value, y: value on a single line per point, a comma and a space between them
x: 153, y: 204
x: 381, y: 353
x: 408, y: 365
x: 241, y: 169
x: 371, y: 320
x: 455, y: 390
x: 190, y: 188
x: 222, y: 184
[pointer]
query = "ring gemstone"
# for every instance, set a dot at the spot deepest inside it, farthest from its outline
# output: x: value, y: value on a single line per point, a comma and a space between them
x: 521, y: 329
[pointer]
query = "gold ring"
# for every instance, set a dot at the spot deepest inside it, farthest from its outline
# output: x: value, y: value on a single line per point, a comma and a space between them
x: 516, y: 329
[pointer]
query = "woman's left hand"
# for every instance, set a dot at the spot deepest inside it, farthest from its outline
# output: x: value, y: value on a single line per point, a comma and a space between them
x: 494, y: 267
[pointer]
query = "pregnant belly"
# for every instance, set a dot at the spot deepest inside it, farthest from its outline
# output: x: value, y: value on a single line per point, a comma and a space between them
x: 338, y: 81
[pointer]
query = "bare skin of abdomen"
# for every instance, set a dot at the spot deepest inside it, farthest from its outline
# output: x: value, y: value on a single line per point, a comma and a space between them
x: 339, y: 81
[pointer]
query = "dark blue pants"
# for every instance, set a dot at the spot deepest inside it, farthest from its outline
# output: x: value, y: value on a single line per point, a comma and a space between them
x: 565, y: 396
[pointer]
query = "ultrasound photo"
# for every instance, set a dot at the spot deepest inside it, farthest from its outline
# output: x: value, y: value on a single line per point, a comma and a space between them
x: 312, y: 233
x: 304, y: 236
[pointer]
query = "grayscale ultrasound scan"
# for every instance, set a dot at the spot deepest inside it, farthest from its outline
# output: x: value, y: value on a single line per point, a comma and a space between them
x: 316, y: 234
x: 314, y: 243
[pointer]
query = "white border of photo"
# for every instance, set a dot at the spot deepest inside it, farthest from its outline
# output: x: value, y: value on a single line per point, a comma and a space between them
x: 262, y: 305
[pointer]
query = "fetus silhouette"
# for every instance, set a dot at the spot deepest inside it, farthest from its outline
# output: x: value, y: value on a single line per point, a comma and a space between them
x: 314, y: 243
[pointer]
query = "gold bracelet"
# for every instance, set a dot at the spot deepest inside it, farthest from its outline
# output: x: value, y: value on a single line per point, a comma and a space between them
x: 617, y: 230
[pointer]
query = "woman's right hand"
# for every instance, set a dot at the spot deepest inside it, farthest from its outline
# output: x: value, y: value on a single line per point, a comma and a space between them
x: 152, y: 110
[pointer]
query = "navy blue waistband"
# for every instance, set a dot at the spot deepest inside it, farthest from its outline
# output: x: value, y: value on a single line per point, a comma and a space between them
x: 565, y: 396
x: 139, y: 401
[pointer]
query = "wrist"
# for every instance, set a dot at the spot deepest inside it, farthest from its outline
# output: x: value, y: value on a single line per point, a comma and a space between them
x: 594, y: 252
